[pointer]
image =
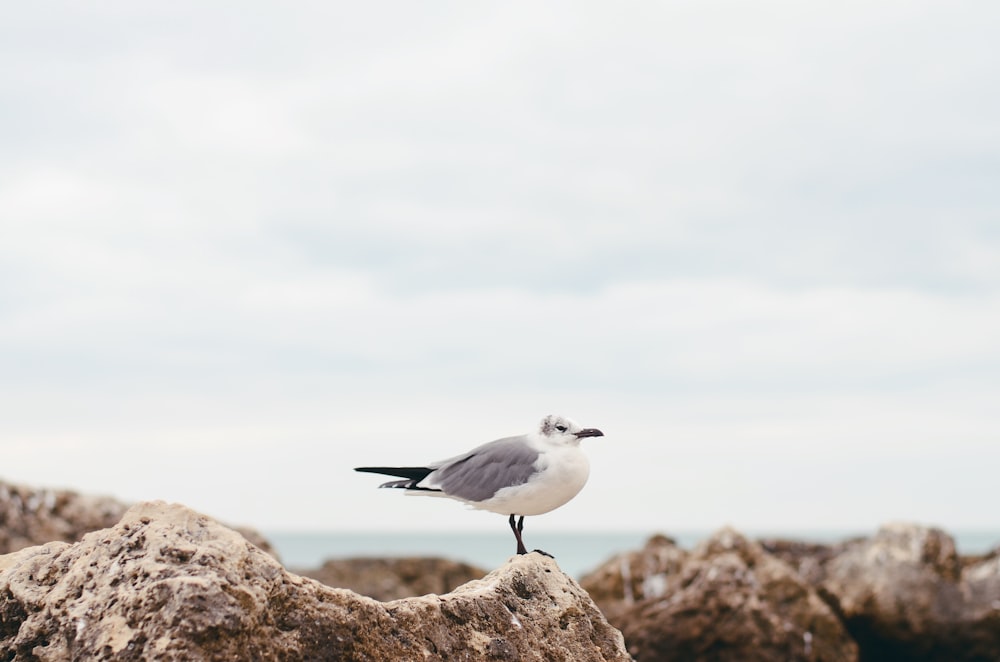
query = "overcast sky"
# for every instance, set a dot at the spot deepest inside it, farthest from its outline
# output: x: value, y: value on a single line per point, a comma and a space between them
x: 245, y: 247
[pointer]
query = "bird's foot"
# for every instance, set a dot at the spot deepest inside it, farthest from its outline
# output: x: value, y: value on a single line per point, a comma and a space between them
x: 543, y: 553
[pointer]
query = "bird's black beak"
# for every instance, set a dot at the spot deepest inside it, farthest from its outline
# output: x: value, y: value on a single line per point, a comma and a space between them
x: 588, y: 432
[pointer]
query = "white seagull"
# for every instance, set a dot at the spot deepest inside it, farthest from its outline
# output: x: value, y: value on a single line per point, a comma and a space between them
x: 517, y: 476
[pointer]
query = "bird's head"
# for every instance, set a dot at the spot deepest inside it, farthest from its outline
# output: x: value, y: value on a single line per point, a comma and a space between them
x: 562, y: 430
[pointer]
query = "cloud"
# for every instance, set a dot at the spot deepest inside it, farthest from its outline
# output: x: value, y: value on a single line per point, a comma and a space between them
x: 757, y: 242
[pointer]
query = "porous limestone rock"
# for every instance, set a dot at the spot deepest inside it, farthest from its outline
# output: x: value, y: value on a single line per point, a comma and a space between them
x: 394, y: 578
x: 167, y: 583
x: 731, y: 601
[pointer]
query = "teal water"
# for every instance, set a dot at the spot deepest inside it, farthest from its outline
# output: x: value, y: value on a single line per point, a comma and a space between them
x: 576, y: 553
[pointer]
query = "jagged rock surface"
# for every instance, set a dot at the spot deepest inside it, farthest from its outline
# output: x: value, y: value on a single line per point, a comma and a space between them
x: 33, y: 516
x: 728, y: 600
x: 167, y: 583
x: 630, y: 577
x: 905, y: 595
x: 809, y: 559
x: 394, y: 578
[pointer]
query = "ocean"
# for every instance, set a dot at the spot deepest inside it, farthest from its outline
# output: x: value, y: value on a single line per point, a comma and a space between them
x: 576, y: 553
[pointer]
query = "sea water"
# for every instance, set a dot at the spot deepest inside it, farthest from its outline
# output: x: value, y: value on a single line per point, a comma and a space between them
x: 576, y: 553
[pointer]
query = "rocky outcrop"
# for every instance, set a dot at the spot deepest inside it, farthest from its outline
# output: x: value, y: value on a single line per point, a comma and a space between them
x: 905, y: 595
x: 726, y: 600
x: 633, y: 576
x: 33, y: 516
x: 391, y: 579
x: 809, y: 559
x: 167, y: 583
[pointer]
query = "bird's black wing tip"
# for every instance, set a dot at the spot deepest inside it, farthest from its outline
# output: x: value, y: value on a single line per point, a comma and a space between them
x: 413, y: 473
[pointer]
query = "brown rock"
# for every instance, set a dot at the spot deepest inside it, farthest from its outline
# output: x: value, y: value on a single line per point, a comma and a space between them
x: 392, y: 579
x: 974, y: 559
x: 34, y: 516
x: 730, y: 600
x: 169, y: 584
x: 979, y: 632
x: 31, y: 516
x: 632, y: 576
x: 905, y: 595
x: 257, y: 539
x: 807, y: 558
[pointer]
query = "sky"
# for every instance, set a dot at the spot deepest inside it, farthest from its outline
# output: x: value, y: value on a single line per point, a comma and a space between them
x: 245, y: 247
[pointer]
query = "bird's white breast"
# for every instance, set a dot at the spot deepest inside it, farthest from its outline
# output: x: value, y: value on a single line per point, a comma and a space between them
x: 562, y: 473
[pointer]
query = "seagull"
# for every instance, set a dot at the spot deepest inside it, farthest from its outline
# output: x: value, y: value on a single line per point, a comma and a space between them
x: 517, y: 476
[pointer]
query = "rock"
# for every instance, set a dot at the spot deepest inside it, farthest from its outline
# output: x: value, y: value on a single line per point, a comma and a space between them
x: 904, y: 594
x: 257, y: 539
x: 730, y: 600
x: 974, y: 559
x: 632, y: 576
x: 392, y: 579
x: 978, y: 635
x: 32, y: 516
x: 167, y: 583
x: 807, y: 558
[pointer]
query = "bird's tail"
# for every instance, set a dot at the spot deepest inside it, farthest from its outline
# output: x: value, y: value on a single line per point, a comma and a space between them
x: 412, y: 476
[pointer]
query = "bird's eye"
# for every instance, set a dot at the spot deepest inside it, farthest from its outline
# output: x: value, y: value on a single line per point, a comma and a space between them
x: 561, y: 428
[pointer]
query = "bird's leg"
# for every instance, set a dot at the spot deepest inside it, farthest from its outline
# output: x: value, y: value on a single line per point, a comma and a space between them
x: 520, y: 527
x: 521, y: 549
x: 517, y: 528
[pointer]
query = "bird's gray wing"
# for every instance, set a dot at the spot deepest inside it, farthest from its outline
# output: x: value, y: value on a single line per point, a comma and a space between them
x: 480, y: 473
